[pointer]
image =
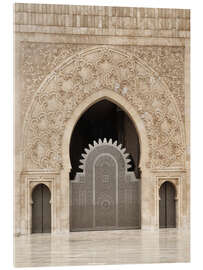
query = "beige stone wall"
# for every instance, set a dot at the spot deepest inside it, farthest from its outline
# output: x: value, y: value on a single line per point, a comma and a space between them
x: 69, y: 57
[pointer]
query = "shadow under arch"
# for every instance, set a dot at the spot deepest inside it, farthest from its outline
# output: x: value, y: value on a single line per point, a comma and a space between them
x: 87, y: 103
x: 172, y: 184
x: 104, y: 120
x: 37, y: 184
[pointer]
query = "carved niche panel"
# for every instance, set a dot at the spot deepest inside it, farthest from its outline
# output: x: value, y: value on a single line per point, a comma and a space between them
x: 91, y: 71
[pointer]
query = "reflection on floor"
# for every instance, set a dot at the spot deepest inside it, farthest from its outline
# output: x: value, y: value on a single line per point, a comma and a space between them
x: 104, y: 247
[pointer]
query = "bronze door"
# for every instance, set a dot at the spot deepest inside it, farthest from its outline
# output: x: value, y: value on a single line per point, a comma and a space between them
x: 105, y: 195
x: 41, y: 209
x: 105, y: 181
x: 167, y: 206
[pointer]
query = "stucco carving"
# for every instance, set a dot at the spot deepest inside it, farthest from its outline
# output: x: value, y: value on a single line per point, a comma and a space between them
x: 38, y: 60
x: 90, y: 71
x: 168, y: 62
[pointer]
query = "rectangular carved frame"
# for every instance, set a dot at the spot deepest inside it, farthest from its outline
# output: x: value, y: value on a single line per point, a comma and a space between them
x: 177, y: 182
x: 31, y: 182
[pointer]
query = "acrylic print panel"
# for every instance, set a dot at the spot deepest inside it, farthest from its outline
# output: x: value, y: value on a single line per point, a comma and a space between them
x: 101, y: 135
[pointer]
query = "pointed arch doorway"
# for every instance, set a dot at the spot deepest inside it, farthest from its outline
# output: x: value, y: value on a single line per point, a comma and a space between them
x: 105, y: 121
x: 41, y: 209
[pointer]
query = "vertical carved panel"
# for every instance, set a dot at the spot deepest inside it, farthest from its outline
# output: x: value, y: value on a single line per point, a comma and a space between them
x: 82, y: 213
x: 82, y: 199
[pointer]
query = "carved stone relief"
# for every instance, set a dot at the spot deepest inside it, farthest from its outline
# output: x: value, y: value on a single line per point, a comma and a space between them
x: 168, y: 62
x: 38, y: 60
x: 93, y: 70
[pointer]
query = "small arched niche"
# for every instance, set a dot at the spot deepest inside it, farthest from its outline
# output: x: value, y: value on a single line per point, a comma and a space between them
x: 41, y: 209
x: 167, y: 205
x: 102, y: 120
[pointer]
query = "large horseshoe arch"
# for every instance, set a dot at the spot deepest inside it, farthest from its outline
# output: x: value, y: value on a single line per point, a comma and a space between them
x: 106, y: 195
x: 130, y: 111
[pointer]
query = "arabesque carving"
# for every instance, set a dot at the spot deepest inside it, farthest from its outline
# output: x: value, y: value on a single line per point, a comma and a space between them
x: 38, y: 60
x: 168, y: 62
x: 92, y: 71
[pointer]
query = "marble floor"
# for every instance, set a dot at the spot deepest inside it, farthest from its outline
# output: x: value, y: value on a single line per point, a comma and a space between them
x: 103, y: 247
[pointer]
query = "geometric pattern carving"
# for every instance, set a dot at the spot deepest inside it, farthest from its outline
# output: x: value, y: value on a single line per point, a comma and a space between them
x: 106, y: 206
x: 91, y: 71
x: 38, y: 60
x: 168, y: 62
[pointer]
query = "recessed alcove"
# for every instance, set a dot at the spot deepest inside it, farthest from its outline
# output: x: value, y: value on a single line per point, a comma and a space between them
x: 102, y: 120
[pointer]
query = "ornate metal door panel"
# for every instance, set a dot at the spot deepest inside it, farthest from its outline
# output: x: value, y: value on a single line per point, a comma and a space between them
x: 129, y: 206
x: 105, y: 195
x: 82, y: 206
x: 105, y: 181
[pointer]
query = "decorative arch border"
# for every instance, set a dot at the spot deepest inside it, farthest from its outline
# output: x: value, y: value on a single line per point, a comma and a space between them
x: 177, y: 184
x: 35, y: 184
x: 138, y: 123
x: 77, y: 57
x: 85, y: 52
x: 88, y: 102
